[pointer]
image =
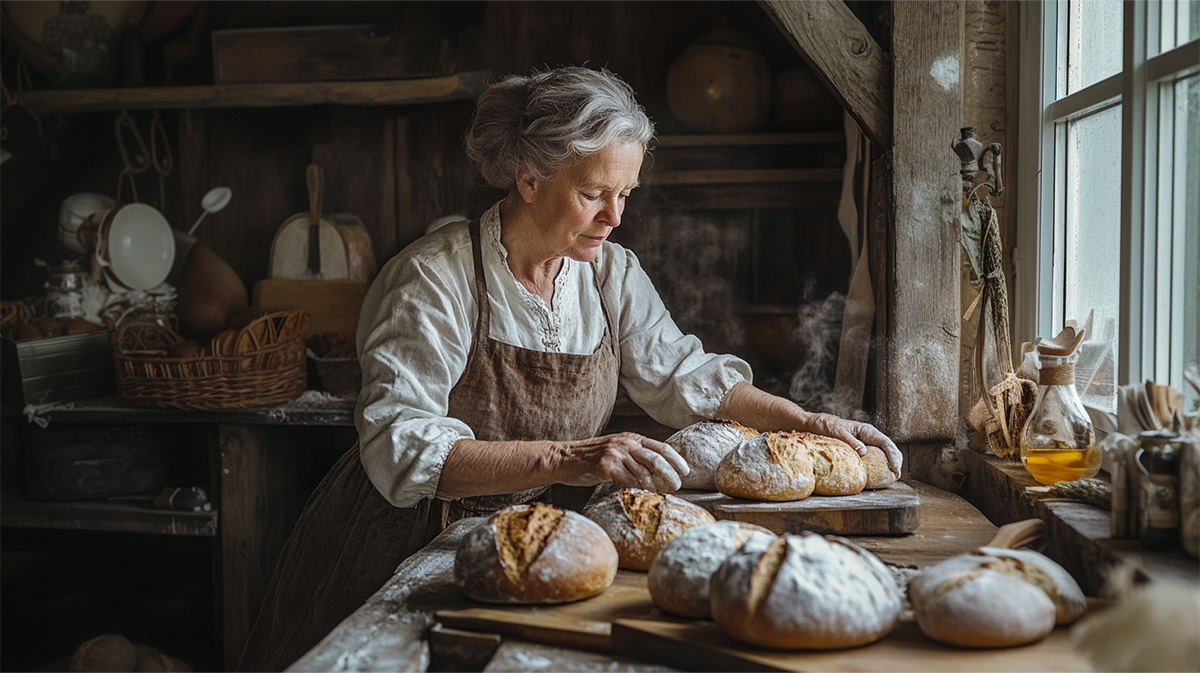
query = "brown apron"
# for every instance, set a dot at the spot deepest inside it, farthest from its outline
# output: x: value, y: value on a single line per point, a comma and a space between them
x: 349, y: 539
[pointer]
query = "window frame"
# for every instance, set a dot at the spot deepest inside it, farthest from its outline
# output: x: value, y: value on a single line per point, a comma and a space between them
x: 1038, y: 284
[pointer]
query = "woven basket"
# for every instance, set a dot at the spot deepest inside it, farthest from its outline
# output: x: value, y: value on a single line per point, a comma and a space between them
x: 264, y: 363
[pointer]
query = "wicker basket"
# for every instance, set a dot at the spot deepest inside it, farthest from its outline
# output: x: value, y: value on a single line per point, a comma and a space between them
x: 262, y: 364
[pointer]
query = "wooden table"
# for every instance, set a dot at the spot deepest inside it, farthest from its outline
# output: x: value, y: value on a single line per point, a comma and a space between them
x: 389, y: 632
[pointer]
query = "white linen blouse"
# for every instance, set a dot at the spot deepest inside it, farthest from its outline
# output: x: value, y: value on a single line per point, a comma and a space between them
x: 415, y: 331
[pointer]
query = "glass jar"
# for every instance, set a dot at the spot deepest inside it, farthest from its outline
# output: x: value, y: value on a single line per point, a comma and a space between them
x: 1058, y: 442
x: 64, y: 290
x: 1158, y: 461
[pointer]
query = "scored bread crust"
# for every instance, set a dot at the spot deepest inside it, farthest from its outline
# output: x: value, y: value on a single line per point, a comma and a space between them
x: 640, y: 523
x: 703, y: 445
x: 1041, y: 571
x: 837, y: 468
x: 774, y: 466
x: 980, y: 601
x: 679, y: 576
x: 804, y: 591
x: 499, y: 561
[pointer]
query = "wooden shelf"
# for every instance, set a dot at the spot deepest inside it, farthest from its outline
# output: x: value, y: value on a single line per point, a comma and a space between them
x: 461, y: 86
x: 732, y: 139
x: 106, y: 516
x: 112, y: 409
x: 742, y: 176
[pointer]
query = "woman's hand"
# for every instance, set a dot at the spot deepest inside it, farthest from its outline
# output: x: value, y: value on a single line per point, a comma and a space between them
x: 857, y: 435
x: 626, y: 459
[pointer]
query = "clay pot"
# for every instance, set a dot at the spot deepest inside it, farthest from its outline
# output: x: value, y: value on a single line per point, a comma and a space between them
x: 803, y: 103
x: 720, y: 84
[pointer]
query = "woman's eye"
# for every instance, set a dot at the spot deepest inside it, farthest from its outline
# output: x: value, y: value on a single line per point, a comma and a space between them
x: 591, y: 197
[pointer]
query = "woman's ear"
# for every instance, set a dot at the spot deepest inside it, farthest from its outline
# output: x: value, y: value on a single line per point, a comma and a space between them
x: 527, y: 185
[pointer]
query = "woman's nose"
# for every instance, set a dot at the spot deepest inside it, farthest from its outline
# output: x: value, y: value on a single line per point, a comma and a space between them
x: 611, y: 214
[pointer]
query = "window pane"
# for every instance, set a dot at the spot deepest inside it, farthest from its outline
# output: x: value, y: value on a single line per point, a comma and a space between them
x: 1093, y: 42
x: 1091, y: 258
x: 1180, y: 23
x: 1180, y: 177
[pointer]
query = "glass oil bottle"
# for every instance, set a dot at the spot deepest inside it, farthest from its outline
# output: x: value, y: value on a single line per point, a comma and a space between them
x: 1058, y: 442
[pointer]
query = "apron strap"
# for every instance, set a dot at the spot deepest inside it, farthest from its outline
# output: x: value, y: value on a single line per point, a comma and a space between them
x: 614, y: 342
x: 483, y: 322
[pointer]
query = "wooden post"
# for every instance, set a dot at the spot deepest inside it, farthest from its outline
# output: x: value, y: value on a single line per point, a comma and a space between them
x: 918, y: 363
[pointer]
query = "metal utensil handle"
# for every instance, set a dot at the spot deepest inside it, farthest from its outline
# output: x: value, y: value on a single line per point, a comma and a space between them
x: 313, y: 176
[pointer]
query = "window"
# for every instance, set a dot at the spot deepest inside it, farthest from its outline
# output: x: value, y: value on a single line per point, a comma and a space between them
x: 1109, y: 175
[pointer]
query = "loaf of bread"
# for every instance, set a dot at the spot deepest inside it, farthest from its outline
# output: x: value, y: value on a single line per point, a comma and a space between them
x: 535, y: 554
x: 804, y: 591
x: 703, y: 445
x: 108, y: 652
x: 640, y: 523
x: 679, y: 576
x: 879, y: 473
x: 837, y: 468
x: 994, y: 598
x: 775, y: 466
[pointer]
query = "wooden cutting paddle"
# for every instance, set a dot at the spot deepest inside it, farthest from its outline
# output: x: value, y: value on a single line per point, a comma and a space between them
x: 308, y: 246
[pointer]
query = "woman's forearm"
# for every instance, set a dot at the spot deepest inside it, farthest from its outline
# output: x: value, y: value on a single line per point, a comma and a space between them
x: 761, y: 410
x: 475, y: 467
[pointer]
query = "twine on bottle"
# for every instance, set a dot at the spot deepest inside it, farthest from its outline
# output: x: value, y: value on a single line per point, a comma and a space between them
x: 1062, y: 375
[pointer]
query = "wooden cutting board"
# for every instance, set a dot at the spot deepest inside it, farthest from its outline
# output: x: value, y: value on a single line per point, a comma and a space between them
x: 332, y: 305
x: 701, y: 646
x: 890, y: 511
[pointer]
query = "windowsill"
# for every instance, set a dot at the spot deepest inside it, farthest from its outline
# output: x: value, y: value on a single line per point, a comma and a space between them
x: 1078, y: 534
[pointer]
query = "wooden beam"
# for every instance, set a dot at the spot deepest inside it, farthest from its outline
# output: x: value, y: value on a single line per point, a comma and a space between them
x: 844, y: 56
x: 918, y: 363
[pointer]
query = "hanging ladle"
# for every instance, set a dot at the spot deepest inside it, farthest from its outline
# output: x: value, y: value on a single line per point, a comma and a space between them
x: 213, y: 201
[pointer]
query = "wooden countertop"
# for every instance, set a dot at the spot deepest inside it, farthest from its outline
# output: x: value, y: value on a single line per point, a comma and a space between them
x: 389, y: 632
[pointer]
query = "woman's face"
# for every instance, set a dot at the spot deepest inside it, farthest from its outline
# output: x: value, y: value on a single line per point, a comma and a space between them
x: 576, y: 210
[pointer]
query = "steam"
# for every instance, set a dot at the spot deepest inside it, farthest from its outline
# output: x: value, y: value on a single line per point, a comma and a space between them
x: 817, y: 335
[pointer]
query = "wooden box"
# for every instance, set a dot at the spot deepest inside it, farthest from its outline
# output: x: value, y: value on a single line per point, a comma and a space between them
x: 324, y: 54
x: 57, y: 369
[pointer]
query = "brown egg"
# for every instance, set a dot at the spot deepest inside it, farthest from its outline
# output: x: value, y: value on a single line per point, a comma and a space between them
x: 50, y: 327
x: 184, y: 349
x: 80, y: 326
x: 27, y: 331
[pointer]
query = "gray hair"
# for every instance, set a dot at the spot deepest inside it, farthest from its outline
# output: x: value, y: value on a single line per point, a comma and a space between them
x: 542, y: 122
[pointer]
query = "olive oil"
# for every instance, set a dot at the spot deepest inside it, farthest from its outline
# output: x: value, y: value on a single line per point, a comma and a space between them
x: 1061, y: 462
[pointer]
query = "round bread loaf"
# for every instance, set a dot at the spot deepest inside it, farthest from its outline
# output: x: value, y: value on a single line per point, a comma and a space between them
x: 1044, y: 573
x: 535, y: 554
x: 837, y: 468
x: 641, y: 523
x: 775, y: 466
x: 879, y: 474
x: 805, y: 591
x: 703, y: 445
x: 680, y: 574
x: 980, y: 601
x: 109, y: 652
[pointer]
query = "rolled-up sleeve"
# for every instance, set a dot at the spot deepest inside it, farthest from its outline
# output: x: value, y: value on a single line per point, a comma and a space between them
x: 666, y: 372
x: 413, y: 341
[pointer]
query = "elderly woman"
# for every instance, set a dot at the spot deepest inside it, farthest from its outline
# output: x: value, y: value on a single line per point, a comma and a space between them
x: 491, y: 354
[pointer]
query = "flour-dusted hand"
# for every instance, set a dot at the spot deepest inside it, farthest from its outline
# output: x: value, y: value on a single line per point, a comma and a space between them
x: 626, y: 459
x: 857, y: 434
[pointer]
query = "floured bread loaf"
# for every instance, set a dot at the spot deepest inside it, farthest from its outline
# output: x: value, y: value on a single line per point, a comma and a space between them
x: 879, y: 474
x: 994, y: 598
x: 704, y: 444
x: 680, y: 574
x: 773, y: 466
x: 535, y: 554
x: 837, y: 468
x: 805, y: 591
x: 641, y: 523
